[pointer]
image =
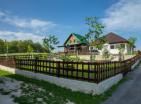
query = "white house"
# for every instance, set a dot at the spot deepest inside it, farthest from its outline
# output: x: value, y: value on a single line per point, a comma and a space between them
x: 113, y: 42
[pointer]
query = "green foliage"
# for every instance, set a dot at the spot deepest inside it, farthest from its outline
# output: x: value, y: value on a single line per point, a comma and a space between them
x: 13, y: 46
x: 50, y: 42
x: 95, y: 29
x: 2, y: 46
x: 38, y: 48
x: 69, y: 58
x: 95, y: 33
x: 121, y: 49
x: 92, y: 57
x: 20, y: 46
x: 29, y: 49
x: 51, y: 56
x: 132, y: 41
x: 76, y: 59
x: 65, y: 58
x: 105, y: 53
x: 121, y: 52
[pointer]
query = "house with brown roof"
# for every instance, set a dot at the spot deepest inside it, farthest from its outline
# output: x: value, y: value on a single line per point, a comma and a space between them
x: 112, y: 44
x: 76, y: 42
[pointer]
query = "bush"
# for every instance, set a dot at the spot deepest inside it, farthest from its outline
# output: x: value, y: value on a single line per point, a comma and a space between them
x: 68, y: 58
x: 65, y: 58
x: 76, y: 59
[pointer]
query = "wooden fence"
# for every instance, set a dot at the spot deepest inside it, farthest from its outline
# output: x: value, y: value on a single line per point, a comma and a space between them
x: 88, y: 71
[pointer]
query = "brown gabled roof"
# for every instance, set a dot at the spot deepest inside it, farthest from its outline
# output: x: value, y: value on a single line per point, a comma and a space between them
x: 112, y: 38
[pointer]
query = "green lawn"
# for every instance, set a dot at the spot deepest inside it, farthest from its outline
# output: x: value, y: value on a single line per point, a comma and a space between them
x: 60, y: 95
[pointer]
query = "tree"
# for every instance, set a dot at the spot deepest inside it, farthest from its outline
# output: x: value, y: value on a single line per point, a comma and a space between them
x: 20, y: 46
x: 121, y: 52
x: 105, y: 53
x: 50, y: 42
x: 132, y: 41
x: 29, y: 49
x: 2, y: 47
x: 95, y: 32
x: 13, y: 47
x: 39, y: 48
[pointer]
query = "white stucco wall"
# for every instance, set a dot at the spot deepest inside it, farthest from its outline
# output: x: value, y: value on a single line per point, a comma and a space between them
x: 115, y: 51
x: 112, y: 51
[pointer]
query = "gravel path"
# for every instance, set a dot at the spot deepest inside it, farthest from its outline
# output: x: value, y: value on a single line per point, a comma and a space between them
x: 6, y: 99
x: 31, y: 93
x: 130, y: 91
x: 8, y: 88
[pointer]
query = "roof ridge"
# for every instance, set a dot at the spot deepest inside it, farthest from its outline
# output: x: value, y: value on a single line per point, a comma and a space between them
x: 112, y: 36
x: 80, y: 37
x: 115, y: 35
x: 77, y: 34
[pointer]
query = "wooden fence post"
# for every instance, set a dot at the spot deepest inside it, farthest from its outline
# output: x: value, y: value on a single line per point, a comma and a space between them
x: 124, y: 67
x: 58, y: 69
x: 14, y: 62
x: 35, y: 64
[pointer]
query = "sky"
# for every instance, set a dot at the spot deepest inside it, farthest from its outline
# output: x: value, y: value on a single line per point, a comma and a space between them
x: 36, y: 19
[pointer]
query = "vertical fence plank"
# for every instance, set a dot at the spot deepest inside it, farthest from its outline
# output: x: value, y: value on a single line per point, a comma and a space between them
x: 88, y: 71
x: 77, y: 76
x: 58, y: 69
x: 82, y: 71
x: 35, y: 65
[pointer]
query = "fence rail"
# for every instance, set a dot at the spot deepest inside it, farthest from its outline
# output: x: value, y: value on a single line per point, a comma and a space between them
x: 88, y: 71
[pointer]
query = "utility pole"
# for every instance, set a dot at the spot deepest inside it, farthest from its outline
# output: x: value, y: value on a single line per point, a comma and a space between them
x: 6, y: 48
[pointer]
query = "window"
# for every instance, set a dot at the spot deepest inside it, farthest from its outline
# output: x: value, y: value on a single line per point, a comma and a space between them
x: 91, y: 48
x: 112, y: 47
x: 71, y: 48
x: 123, y: 46
x: 117, y: 46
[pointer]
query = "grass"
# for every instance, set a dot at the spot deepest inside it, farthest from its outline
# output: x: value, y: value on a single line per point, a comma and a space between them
x: 4, y: 92
x: 60, y: 94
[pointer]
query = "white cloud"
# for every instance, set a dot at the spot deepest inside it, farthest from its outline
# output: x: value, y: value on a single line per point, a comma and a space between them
x: 2, y: 13
x: 124, y: 15
x: 35, y: 27
x: 10, y: 35
x: 33, y: 24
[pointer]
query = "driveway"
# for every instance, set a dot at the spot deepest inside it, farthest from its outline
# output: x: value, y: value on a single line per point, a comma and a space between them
x: 130, y: 91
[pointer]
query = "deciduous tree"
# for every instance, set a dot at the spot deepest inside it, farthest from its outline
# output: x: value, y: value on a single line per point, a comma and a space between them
x: 132, y: 41
x: 95, y: 32
x: 50, y: 42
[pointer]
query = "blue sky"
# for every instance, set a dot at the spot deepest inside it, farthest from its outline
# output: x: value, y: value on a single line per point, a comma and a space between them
x: 35, y: 19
